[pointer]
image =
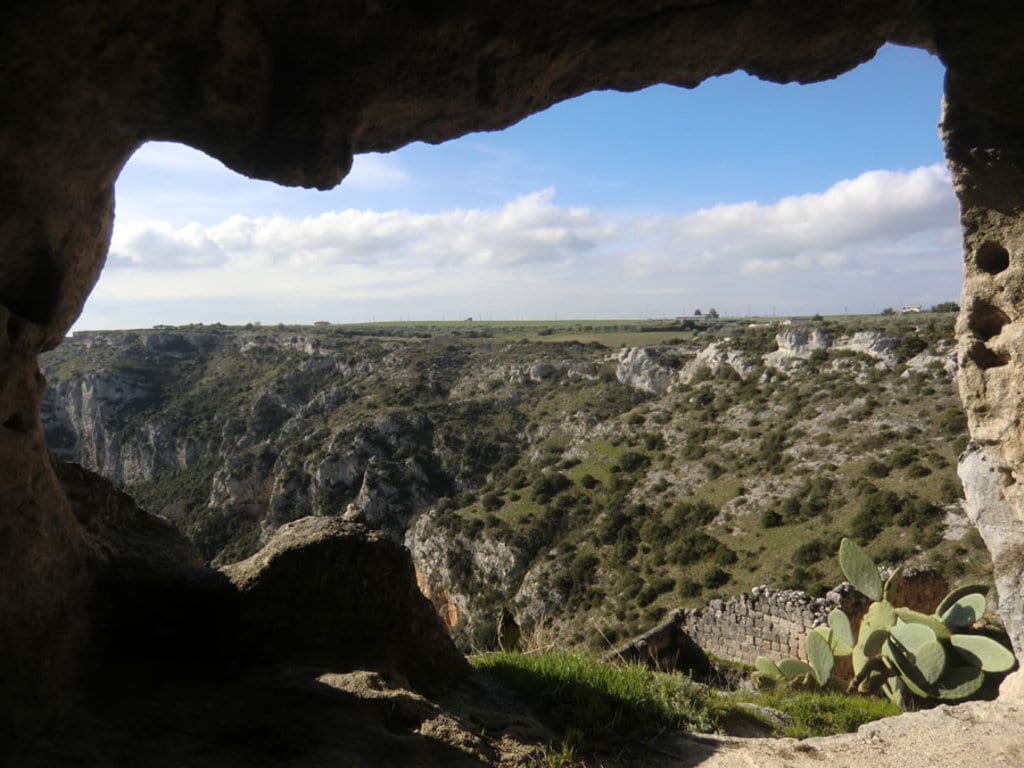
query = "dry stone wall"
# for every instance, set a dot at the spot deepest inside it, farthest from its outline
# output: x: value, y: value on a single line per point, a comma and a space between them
x: 764, y: 622
x: 768, y: 622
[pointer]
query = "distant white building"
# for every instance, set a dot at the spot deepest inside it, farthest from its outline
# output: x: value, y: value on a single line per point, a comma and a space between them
x: 910, y: 308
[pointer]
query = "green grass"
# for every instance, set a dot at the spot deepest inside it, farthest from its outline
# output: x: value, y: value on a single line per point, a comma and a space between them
x: 591, y: 704
x: 823, y: 714
x: 580, y: 695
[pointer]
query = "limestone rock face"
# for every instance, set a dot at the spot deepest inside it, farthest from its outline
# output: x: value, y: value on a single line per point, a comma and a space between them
x: 639, y: 368
x: 713, y: 358
x: 126, y: 538
x: 47, y: 566
x: 872, y: 344
x: 445, y: 559
x: 325, y: 592
x: 1002, y: 529
x: 89, y: 406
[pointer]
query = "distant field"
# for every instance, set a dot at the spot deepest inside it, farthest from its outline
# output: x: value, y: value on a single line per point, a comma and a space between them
x: 609, y: 332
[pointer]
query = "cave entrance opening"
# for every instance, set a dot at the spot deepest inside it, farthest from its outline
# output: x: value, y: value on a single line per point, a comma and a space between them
x: 654, y: 212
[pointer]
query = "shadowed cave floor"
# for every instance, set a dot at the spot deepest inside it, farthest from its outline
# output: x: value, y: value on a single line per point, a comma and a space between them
x: 307, y: 718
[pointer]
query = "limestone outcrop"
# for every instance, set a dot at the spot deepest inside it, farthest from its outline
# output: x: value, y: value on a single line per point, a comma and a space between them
x: 639, y: 368
x: 1003, y: 531
x: 329, y: 593
x: 289, y: 91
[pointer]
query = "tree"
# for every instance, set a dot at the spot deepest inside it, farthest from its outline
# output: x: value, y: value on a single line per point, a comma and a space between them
x: 888, y: 311
x: 946, y: 306
x: 697, y: 312
x: 713, y: 313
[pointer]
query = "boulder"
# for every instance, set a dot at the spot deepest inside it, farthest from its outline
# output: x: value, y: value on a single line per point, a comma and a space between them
x: 335, y: 594
x: 639, y: 368
x: 156, y: 608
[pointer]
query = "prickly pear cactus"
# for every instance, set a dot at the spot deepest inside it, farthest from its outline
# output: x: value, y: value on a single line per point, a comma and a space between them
x: 908, y: 656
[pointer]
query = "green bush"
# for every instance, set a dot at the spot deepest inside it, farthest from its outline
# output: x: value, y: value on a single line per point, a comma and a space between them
x: 547, y: 485
x: 715, y: 578
x: 632, y: 461
x: 875, y: 468
x: 491, y: 502
x: 812, y: 552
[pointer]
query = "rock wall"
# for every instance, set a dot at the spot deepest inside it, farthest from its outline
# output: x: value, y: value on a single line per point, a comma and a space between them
x: 765, y: 622
x: 769, y: 622
x: 288, y: 91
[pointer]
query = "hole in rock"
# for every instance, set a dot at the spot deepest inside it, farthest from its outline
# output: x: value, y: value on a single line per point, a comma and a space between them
x: 992, y: 258
x: 37, y: 293
x: 18, y: 422
x: 985, y: 358
x: 987, y: 321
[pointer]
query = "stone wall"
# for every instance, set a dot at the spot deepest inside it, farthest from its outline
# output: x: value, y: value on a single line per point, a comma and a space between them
x: 769, y: 622
x: 764, y: 622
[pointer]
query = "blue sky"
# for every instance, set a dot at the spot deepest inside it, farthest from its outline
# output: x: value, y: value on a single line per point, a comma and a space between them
x: 752, y: 197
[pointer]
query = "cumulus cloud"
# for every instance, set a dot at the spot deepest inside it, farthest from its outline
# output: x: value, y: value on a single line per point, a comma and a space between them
x: 821, y: 229
x: 527, y: 230
x: 881, y: 238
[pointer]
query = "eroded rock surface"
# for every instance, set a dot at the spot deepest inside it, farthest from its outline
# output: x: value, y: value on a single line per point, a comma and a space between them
x: 329, y: 593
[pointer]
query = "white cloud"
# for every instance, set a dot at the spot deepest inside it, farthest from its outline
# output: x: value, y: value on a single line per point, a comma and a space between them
x: 527, y: 230
x: 822, y: 229
x: 884, y: 237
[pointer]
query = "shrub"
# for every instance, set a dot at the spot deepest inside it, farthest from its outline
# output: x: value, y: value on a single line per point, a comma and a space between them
x: 491, y: 502
x: 726, y: 556
x: 903, y: 456
x: 917, y: 469
x: 877, y: 468
x: 549, y: 484
x: 688, y: 588
x: 715, y: 578
x: 812, y: 552
x: 632, y: 461
x: 693, y: 547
